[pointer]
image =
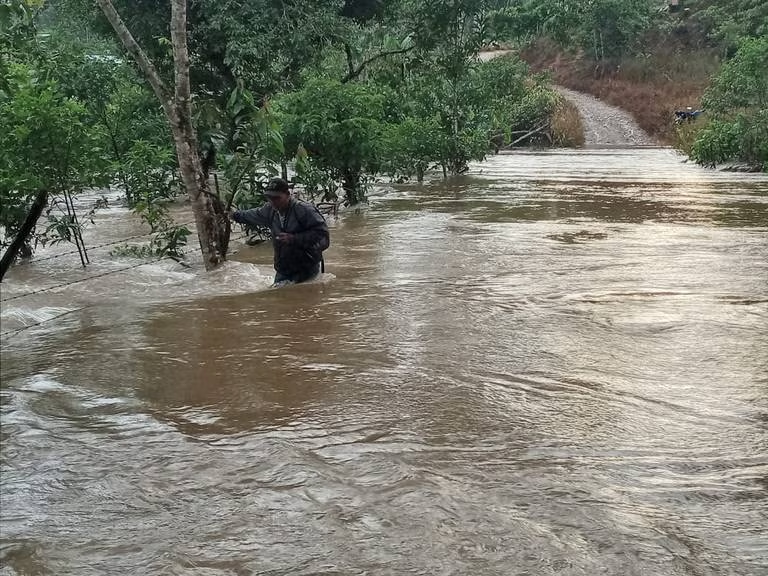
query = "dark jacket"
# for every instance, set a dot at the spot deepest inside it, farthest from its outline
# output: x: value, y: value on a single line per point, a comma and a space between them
x: 301, y: 257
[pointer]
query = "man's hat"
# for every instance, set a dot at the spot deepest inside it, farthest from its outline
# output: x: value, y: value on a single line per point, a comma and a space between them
x: 276, y: 187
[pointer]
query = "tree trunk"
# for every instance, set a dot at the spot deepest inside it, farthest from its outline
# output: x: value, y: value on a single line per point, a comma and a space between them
x: 41, y: 199
x: 210, y: 215
x: 350, y: 183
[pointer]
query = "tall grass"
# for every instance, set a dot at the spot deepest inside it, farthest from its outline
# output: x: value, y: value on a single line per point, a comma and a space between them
x: 566, y: 126
x: 685, y: 134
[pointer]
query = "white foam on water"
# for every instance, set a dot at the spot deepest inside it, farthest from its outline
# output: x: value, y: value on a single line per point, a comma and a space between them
x: 124, y: 284
x: 42, y: 383
x: 323, y: 278
x: 26, y: 315
x: 232, y: 277
x: 14, y: 318
x: 323, y: 367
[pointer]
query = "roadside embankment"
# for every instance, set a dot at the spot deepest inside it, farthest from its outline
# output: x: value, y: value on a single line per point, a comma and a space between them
x: 650, y: 87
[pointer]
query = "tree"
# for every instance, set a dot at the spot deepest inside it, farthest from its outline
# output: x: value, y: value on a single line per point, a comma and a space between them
x: 737, y: 103
x: 610, y: 27
x: 729, y: 22
x: 452, y: 122
x: 449, y: 33
x: 603, y: 28
x: 47, y: 152
x: 339, y: 126
x: 210, y: 216
x: 742, y: 83
x: 412, y: 146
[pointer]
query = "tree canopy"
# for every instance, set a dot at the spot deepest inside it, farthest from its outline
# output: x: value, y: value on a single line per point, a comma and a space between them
x: 339, y: 93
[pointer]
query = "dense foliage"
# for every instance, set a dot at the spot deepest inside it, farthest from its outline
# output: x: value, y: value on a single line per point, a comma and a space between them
x: 48, y: 148
x: 337, y: 93
x: 737, y: 103
x: 726, y: 23
x: 602, y: 28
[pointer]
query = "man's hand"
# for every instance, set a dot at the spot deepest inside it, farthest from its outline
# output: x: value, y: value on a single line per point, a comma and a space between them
x: 285, y: 237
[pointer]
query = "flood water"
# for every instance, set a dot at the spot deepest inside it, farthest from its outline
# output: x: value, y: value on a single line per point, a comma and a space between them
x: 555, y: 364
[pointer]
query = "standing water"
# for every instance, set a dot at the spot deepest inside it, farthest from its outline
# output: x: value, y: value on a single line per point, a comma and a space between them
x: 556, y: 364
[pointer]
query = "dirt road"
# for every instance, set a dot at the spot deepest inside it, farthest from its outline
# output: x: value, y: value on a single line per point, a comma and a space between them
x: 606, y: 125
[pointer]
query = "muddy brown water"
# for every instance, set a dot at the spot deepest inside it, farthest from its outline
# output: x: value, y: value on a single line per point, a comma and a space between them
x: 555, y: 364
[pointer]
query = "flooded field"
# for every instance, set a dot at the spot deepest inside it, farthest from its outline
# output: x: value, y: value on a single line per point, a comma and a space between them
x: 555, y: 364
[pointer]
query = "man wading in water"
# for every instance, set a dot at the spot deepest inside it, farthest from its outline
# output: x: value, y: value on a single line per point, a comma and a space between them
x: 299, y: 232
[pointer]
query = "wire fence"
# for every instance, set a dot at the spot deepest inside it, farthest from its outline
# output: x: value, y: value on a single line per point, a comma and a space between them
x: 327, y: 208
x: 17, y: 330
x: 88, y: 279
x: 96, y: 247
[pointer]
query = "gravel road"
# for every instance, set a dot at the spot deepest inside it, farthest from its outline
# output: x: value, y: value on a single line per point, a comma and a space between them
x: 606, y: 125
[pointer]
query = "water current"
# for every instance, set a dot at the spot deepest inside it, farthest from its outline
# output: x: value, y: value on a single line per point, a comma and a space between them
x: 554, y: 364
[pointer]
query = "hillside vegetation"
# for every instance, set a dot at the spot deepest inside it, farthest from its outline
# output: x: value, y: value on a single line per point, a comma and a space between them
x: 654, y: 58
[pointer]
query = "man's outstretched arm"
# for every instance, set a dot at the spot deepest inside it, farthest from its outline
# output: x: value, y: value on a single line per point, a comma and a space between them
x: 261, y: 216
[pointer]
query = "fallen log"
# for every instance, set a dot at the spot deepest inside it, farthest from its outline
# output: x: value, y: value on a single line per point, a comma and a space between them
x: 536, y: 130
